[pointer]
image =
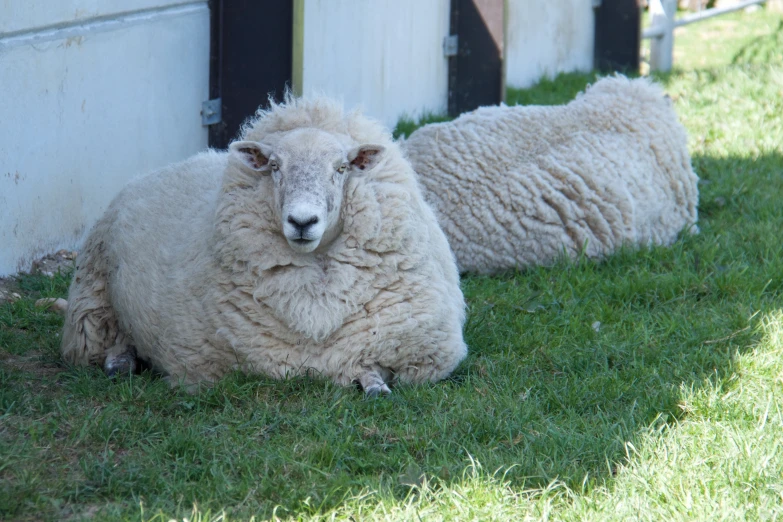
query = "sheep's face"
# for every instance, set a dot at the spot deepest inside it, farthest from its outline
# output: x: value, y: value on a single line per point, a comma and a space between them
x: 308, y: 169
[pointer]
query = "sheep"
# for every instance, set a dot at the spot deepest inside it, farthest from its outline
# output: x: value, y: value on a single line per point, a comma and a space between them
x: 520, y: 186
x: 305, y: 248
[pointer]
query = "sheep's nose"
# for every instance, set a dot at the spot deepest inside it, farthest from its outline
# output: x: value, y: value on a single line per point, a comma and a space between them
x: 302, y: 223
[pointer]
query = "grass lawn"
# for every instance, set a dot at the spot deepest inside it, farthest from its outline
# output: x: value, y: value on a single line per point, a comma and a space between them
x: 648, y: 386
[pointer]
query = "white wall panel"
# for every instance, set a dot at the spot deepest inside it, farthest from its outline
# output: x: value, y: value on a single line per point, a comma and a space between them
x: 83, y: 110
x: 27, y: 15
x: 544, y: 38
x: 383, y: 55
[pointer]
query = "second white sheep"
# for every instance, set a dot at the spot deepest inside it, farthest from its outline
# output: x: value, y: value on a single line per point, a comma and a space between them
x: 520, y: 186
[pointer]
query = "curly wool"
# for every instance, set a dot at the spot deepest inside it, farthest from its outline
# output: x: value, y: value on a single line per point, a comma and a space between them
x: 519, y: 186
x: 189, y: 266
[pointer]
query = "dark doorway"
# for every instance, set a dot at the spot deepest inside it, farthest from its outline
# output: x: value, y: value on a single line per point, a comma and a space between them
x: 476, y: 71
x: 250, y: 58
x: 618, y: 34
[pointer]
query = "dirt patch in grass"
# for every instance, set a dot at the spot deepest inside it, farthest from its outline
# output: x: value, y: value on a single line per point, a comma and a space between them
x: 35, y: 362
x: 60, y: 262
x: 9, y: 289
x: 74, y: 512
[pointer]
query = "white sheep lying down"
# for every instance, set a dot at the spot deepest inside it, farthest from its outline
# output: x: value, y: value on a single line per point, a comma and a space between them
x: 519, y: 186
x: 306, y: 248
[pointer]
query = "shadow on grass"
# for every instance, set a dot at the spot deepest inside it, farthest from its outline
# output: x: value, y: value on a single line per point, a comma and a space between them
x: 567, y: 365
x: 764, y: 49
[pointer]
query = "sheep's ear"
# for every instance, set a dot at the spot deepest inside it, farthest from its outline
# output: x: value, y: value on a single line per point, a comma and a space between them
x: 365, y: 157
x: 251, y: 154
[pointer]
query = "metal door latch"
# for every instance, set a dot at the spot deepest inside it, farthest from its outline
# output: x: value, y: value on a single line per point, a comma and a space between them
x: 450, y: 45
x: 211, y: 112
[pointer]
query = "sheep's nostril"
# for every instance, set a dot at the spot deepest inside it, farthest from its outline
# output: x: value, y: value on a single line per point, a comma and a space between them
x: 303, y: 223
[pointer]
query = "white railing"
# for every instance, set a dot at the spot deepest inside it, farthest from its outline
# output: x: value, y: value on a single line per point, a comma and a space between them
x: 661, y: 30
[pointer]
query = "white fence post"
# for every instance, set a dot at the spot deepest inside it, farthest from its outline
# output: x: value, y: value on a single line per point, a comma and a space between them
x: 662, y: 46
x: 661, y: 29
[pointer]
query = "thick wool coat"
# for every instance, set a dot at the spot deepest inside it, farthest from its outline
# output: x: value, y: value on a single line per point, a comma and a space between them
x: 189, y: 265
x: 519, y: 186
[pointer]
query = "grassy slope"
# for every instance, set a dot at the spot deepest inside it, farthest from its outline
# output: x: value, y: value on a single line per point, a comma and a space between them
x: 670, y: 410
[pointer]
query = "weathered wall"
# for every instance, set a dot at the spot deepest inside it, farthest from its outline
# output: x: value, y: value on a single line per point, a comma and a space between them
x: 544, y: 38
x: 94, y: 92
x: 384, y: 55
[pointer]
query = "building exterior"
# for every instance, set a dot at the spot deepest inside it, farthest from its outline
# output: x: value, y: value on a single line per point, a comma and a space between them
x: 92, y: 92
x: 96, y: 92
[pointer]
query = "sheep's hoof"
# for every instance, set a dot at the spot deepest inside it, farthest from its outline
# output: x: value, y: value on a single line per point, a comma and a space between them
x: 123, y: 364
x: 375, y: 391
x: 373, y: 384
x: 120, y: 360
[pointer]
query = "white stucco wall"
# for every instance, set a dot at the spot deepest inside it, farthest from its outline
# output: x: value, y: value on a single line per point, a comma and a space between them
x: 88, y: 103
x: 544, y: 38
x: 29, y: 15
x: 383, y: 55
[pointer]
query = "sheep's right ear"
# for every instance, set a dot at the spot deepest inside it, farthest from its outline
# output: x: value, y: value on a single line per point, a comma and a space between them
x: 251, y: 154
x: 365, y: 157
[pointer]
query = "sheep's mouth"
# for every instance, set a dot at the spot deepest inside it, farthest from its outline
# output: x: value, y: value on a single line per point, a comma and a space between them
x: 303, y: 245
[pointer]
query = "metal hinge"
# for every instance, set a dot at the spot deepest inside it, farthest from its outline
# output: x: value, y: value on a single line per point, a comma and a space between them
x: 450, y: 45
x: 211, y: 112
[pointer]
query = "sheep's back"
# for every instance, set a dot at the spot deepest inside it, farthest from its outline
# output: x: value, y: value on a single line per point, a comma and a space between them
x: 519, y: 186
x: 158, y: 252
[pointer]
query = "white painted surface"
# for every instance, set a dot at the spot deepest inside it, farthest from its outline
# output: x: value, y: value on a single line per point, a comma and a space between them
x: 87, y: 107
x: 28, y: 15
x: 544, y: 38
x: 383, y: 55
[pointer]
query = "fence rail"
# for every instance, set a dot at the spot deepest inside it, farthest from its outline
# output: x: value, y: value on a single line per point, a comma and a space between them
x: 661, y: 30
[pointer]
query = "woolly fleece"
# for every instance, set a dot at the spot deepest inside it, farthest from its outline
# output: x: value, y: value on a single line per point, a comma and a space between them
x: 519, y: 186
x: 189, y: 266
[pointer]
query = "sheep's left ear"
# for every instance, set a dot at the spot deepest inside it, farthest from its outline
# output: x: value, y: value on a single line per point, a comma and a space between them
x: 365, y: 157
x: 251, y: 154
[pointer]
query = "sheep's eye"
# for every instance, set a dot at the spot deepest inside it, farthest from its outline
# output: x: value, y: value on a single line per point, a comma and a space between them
x: 274, y: 166
x: 341, y: 168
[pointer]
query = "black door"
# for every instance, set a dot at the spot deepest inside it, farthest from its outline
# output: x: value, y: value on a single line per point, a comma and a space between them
x: 250, y: 58
x: 618, y: 35
x: 476, y: 72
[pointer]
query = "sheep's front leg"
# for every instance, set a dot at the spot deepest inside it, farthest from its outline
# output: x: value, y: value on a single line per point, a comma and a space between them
x: 373, y: 384
x: 120, y: 359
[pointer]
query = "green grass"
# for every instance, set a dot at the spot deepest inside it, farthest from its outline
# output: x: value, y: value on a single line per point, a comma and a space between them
x: 669, y: 409
x: 406, y: 125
